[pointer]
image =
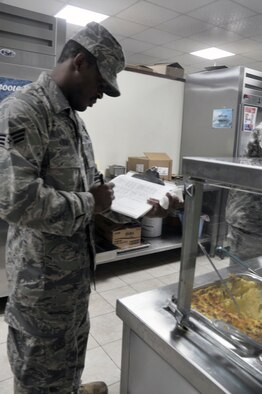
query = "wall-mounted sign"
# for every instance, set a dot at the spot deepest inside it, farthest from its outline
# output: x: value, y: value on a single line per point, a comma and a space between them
x: 250, y: 117
x: 10, y: 85
x: 222, y: 118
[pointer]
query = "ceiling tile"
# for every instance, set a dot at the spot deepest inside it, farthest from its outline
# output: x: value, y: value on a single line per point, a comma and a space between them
x: 122, y: 27
x: 242, y: 46
x: 155, y: 36
x: 184, y: 26
x: 221, y: 12
x: 216, y: 36
x: 257, y: 38
x: 187, y: 60
x: 236, y: 61
x: 135, y: 46
x: 248, y: 27
x: 253, y: 54
x: 48, y: 7
x: 162, y: 53
x: 106, y: 7
x: 256, y: 66
x: 255, y: 5
x: 185, y: 45
x: 147, y: 14
x: 181, y: 6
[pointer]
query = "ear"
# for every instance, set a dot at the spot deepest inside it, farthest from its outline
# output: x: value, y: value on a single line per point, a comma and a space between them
x: 79, y: 61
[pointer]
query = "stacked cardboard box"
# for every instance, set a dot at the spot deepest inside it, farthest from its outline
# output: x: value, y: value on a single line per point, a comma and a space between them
x: 172, y: 70
x: 119, y: 234
x: 161, y: 161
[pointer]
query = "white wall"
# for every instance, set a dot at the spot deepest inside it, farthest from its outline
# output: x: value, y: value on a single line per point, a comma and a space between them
x: 147, y: 117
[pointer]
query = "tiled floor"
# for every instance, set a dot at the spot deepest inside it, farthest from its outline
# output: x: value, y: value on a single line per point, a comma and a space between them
x: 113, y: 280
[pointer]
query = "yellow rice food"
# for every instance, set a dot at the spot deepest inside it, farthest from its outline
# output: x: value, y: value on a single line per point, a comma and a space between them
x: 214, y: 302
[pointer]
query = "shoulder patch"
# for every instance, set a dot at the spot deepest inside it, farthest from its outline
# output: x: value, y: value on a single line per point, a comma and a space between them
x: 8, y: 141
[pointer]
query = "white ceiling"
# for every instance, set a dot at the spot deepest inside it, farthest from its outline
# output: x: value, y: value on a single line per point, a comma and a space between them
x: 156, y: 31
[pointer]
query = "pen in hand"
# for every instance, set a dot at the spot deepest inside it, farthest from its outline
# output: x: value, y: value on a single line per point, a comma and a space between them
x: 101, y: 179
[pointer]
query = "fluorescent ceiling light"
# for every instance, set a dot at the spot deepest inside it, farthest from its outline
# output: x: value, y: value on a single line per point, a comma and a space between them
x: 212, y: 53
x: 79, y: 16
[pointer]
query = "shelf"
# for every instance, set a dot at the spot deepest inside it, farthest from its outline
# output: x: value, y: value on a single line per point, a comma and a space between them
x: 157, y: 245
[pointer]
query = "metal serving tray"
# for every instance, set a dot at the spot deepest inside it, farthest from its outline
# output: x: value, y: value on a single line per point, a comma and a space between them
x: 233, y: 343
x: 228, y: 331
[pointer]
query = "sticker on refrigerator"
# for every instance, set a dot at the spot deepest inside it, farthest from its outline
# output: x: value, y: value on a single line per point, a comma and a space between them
x: 250, y: 117
x: 222, y: 118
x: 10, y: 85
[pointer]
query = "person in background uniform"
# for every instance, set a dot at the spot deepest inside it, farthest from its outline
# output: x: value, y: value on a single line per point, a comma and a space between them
x: 244, y: 214
x: 49, y: 196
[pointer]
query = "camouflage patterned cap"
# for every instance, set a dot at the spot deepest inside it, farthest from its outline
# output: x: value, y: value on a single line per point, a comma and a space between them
x: 107, y: 51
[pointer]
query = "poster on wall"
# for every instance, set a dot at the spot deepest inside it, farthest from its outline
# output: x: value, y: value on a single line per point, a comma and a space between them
x: 10, y: 85
x: 222, y: 118
x: 250, y: 117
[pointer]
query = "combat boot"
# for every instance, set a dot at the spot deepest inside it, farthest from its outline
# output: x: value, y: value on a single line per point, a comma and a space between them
x: 93, y: 388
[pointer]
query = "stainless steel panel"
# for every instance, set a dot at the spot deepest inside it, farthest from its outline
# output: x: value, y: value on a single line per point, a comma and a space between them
x: 204, y: 92
x: 30, y: 59
x: 20, y: 72
x: 193, y: 204
x: 231, y: 172
x: 25, y: 31
x: 28, y: 27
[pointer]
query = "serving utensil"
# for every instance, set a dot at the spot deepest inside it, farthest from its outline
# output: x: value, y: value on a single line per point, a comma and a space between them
x: 222, y: 281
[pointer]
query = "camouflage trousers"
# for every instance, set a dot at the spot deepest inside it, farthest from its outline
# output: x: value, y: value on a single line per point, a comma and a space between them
x: 49, y: 365
x: 244, y: 245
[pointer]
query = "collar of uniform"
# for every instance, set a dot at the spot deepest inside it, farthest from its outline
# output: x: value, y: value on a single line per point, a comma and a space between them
x: 55, y: 94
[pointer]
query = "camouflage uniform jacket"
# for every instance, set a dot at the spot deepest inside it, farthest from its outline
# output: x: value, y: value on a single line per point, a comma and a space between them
x: 244, y: 210
x: 47, y: 166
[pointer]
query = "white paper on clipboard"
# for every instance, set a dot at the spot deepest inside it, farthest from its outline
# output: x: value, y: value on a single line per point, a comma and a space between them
x: 131, y: 195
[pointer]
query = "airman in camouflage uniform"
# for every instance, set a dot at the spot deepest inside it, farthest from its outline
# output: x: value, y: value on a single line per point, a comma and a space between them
x: 244, y: 212
x: 49, y: 195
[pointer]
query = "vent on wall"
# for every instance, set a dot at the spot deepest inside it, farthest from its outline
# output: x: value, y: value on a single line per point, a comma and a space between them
x: 252, y: 84
x: 28, y: 38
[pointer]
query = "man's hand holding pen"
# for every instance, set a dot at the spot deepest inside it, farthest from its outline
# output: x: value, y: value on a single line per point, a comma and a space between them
x: 103, y: 195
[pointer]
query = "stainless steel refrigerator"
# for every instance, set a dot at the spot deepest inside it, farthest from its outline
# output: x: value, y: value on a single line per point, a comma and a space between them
x: 221, y: 107
x: 29, y: 44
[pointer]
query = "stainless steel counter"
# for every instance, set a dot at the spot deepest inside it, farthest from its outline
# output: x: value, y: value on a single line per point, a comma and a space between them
x: 193, y: 364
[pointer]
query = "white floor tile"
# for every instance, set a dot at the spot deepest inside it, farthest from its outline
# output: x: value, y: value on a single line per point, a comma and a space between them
x: 108, y: 282
x: 135, y: 276
x: 3, y: 330
x: 147, y: 285
x: 169, y: 279
x: 98, y: 305
x: 106, y: 328
x: 91, y: 344
x: 99, y: 366
x: 162, y: 270
x: 114, y: 388
x: 114, y: 350
x: 5, y: 370
x: 6, y: 386
x: 112, y: 295
x: 204, y: 269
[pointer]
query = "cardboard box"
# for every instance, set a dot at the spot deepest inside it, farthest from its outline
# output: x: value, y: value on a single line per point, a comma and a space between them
x: 172, y: 69
x: 139, y: 67
x: 161, y: 161
x: 121, y: 235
